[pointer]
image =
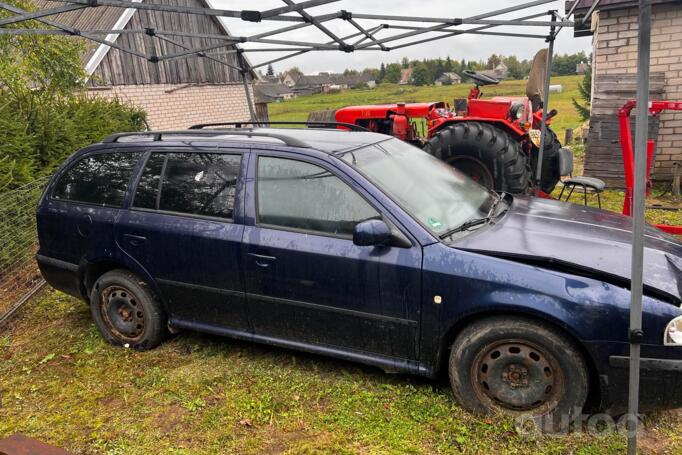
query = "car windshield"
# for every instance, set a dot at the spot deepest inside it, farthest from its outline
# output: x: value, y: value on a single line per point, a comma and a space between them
x: 434, y: 193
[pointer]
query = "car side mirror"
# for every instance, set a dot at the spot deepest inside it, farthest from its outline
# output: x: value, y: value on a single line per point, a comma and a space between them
x: 371, y: 233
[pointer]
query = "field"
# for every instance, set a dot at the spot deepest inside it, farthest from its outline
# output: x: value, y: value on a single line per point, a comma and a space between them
x: 612, y: 199
x: 196, y: 394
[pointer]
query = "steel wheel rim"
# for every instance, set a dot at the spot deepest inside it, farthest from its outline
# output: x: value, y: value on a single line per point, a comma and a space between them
x: 517, y: 376
x: 474, y: 169
x: 122, y: 313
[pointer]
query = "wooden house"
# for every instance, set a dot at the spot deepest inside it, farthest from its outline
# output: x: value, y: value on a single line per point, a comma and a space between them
x: 175, y: 93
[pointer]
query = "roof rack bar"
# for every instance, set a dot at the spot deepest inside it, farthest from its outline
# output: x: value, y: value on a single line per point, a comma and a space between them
x: 158, y: 136
x: 238, y: 125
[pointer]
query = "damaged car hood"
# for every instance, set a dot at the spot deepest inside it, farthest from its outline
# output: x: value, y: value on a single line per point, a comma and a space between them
x: 579, y: 239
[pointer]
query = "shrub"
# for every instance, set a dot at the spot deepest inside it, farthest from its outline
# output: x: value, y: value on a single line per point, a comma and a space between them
x: 44, y: 112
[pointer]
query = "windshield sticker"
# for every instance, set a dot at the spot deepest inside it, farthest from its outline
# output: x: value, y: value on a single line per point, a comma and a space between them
x: 434, y: 223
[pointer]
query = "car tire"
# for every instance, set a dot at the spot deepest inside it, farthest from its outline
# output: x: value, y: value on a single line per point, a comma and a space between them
x: 520, y: 368
x: 126, y: 311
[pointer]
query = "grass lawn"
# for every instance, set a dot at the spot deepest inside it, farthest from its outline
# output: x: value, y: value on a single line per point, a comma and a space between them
x: 63, y: 384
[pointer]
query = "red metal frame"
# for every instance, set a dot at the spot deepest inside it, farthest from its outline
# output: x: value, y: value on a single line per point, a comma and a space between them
x: 655, y: 108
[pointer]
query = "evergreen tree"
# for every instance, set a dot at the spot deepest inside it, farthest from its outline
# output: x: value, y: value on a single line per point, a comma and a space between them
x: 393, y: 72
x: 421, y: 74
x: 382, y: 72
x: 271, y: 71
x: 585, y: 90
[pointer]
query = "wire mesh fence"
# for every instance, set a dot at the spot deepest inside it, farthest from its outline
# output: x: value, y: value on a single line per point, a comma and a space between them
x: 19, y: 274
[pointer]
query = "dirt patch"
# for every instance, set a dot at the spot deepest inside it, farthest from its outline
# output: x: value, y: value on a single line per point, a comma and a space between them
x: 169, y: 419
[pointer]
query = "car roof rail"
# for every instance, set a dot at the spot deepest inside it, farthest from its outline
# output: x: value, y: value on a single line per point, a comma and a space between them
x: 157, y: 136
x: 239, y: 125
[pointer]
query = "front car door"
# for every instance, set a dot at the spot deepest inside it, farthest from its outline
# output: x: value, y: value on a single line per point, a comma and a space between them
x: 306, y: 280
x: 184, y: 228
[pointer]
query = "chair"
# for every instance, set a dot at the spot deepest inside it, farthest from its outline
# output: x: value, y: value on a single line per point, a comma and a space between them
x: 595, y: 185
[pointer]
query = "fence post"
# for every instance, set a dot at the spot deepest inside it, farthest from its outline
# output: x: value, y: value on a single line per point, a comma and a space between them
x: 569, y: 136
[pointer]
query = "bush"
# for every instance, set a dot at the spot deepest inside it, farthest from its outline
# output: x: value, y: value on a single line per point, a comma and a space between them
x: 33, y: 147
x: 45, y: 114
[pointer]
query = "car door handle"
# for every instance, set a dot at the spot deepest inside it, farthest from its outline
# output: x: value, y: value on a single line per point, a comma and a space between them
x: 134, y: 239
x: 262, y: 260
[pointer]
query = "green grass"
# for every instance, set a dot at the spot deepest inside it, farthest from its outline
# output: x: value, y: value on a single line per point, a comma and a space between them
x: 298, y: 108
x: 63, y: 384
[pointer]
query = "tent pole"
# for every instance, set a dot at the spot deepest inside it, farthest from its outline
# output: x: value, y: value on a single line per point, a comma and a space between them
x: 245, y: 81
x: 545, y: 101
x: 637, y: 265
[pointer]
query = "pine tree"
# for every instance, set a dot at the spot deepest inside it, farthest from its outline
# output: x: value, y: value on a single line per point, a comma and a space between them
x: 585, y: 90
x: 271, y: 71
x: 382, y: 72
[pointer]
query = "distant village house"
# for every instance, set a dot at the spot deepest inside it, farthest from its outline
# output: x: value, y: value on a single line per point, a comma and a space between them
x: 302, y: 84
x: 448, y: 79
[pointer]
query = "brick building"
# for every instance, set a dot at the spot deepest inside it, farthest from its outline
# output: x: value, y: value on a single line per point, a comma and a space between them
x: 176, y: 93
x: 614, y: 30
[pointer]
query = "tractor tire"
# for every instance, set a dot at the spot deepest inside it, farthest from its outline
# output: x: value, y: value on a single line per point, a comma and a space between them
x: 550, y: 166
x: 487, y: 154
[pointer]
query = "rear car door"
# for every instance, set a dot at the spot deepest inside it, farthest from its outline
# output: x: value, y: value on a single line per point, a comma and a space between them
x: 184, y: 228
x: 305, y: 278
x: 76, y: 219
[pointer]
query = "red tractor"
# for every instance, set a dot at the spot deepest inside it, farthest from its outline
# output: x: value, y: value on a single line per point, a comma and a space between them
x: 494, y: 141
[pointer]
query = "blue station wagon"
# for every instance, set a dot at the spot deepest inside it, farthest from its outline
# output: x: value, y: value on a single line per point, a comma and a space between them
x: 362, y: 247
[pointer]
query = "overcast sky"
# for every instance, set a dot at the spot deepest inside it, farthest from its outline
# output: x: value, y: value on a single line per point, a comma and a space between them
x: 469, y: 47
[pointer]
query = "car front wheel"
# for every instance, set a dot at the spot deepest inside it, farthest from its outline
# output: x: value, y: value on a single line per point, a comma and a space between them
x: 126, y: 311
x: 519, y: 367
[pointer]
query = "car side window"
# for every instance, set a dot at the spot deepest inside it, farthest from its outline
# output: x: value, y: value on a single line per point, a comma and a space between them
x: 100, y: 179
x: 299, y: 195
x: 193, y: 183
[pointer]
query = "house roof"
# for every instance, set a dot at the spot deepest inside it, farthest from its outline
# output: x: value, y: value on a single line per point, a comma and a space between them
x: 604, y: 5
x: 405, y: 75
x: 449, y: 76
x: 108, y: 18
x: 264, y: 93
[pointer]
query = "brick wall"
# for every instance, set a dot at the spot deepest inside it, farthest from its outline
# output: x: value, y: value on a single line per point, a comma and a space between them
x: 615, y: 52
x: 171, y: 107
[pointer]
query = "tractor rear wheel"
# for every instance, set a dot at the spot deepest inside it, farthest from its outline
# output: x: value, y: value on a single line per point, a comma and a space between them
x: 550, y: 167
x: 485, y: 153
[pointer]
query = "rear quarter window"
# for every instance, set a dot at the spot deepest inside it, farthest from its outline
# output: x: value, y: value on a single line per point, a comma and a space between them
x: 100, y: 179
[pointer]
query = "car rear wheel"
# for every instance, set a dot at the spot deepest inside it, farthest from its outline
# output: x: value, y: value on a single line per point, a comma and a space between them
x: 519, y: 367
x: 126, y: 311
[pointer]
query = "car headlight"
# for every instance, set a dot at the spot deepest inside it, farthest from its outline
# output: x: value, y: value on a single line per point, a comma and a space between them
x: 673, y: 332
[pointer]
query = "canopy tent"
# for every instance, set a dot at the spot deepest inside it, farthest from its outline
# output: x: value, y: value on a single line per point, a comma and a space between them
x: 373, y: 32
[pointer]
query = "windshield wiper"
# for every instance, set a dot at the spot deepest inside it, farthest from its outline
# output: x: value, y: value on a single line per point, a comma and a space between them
x: 475, y: 221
